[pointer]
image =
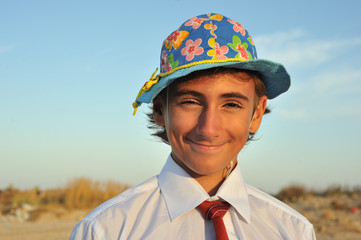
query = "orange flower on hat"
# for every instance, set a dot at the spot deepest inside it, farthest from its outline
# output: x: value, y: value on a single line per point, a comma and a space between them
x: 175, y: 39
x: 192, y: 48
x: 217, y: 52
x: 237, y: 27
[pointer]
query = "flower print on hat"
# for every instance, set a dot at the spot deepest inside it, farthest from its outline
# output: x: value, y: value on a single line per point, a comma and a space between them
x: 195, y: 22
x: 240, y: 47
x: 175, y: 40
x: 197, y: 41
x: 167, y: 62
x: 192, y: 48
x: 216, y: 52
x: 237, y: 27
x: 212, y: 27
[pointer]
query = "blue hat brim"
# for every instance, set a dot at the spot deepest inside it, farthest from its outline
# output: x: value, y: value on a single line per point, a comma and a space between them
x: 273, y: 75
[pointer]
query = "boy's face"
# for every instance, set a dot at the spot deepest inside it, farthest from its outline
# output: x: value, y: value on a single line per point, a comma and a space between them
x: 208, y: 119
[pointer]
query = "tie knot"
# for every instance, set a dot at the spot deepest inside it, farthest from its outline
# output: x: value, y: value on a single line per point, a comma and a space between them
x: 211, y: 210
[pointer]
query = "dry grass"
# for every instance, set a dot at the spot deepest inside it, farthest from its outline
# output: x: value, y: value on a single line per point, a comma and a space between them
x: 80, y: 193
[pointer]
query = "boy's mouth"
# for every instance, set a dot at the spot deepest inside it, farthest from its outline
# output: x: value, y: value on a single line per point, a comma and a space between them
x: 204, y: 146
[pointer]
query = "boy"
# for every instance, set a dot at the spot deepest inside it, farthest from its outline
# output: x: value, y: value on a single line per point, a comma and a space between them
x: 208, y: 101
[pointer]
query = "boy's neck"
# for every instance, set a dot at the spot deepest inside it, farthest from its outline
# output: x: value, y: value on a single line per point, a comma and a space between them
x: 210, y: 183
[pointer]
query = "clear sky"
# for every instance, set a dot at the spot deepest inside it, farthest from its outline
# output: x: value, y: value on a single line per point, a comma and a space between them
x: 69, y: 71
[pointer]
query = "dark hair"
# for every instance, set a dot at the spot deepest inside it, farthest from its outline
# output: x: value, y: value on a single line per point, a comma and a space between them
x: 260, y: 88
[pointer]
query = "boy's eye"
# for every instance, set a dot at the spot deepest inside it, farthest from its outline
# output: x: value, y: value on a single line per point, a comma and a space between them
x: 189, y: 102
x: 233, y: 105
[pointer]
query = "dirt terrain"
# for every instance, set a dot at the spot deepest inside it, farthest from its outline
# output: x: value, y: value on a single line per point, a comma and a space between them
x: 54, y: 225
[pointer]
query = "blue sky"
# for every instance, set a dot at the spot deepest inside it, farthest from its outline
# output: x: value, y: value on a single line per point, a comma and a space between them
x: 69, y: 71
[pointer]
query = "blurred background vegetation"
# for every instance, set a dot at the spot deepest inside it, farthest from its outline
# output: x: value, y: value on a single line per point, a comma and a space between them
x: 80, y: 193
x: 334, y: 211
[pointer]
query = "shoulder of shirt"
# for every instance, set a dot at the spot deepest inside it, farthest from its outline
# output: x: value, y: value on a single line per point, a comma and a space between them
x: 126, y: 200
x: 275, y: 203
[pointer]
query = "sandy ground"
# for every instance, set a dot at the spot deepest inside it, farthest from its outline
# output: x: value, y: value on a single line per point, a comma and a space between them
x: 49, y: 226
x: 53, y: 230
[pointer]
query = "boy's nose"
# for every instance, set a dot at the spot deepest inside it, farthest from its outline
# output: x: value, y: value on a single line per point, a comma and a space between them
x: 209, y: 123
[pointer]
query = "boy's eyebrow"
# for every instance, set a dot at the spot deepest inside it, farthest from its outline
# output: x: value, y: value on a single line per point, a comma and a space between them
x: 187, y: 92
x: 235, y: 95
x: 198, y: 94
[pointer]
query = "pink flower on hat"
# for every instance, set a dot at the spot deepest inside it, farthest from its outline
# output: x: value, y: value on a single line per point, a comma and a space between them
x: 195, y: 22
x: 192, y: 48
x: 217, y: 52
x: 164, y: 62
x: 237, y: 27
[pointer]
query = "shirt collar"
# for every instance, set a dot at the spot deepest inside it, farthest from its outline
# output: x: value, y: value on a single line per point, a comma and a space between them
x: 183, y: 193
x: 234, y: 191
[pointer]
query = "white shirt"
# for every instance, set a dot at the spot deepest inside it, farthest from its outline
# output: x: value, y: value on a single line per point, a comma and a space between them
x: 165, y: 207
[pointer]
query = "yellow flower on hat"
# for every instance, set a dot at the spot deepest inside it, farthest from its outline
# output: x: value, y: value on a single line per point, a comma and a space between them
x: 217, y: 17
x: 175, y: 39
x: 212, y: 27
x: 217, y: 52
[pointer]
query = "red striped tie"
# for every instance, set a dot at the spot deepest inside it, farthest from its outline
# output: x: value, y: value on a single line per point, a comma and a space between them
x: 215, y: 211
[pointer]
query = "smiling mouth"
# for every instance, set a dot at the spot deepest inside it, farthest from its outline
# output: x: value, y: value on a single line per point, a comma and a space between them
x: 204, y: 146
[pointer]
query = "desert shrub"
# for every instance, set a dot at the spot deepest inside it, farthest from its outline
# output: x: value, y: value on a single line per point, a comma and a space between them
x: 292, y: 193
x: 336, y: 189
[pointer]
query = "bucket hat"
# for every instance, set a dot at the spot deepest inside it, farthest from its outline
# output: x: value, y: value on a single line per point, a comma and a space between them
x: 208, y: 41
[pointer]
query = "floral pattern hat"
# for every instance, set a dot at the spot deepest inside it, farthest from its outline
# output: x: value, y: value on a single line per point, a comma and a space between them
x: 208, y: 41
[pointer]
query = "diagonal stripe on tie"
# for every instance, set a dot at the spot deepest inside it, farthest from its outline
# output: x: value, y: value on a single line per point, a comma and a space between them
x: 215, y: 211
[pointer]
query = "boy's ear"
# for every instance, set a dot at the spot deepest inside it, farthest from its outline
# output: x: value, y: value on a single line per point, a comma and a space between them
x: 158, y: 112
x: 258, y: 114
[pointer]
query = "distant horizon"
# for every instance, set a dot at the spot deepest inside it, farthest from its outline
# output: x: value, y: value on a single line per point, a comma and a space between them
x: 343, y: 187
